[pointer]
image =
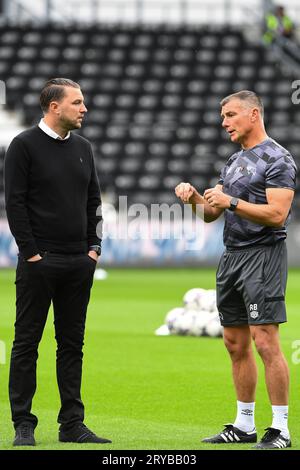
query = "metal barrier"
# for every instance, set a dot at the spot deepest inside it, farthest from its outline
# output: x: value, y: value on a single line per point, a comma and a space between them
x: 136, y: 11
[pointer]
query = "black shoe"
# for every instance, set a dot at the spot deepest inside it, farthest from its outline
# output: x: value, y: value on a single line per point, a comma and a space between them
x: 232, y: 435
x: 82, y: 435
x: 24, y: 435
x: 273, y: 439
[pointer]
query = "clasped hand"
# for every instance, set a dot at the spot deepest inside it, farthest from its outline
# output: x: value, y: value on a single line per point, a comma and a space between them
x: 216, y: 198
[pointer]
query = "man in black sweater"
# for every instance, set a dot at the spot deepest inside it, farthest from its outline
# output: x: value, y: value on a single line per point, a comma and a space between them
x: 52, y: 196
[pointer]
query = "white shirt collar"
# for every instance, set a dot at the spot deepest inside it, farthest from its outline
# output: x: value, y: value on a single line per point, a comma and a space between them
x: 43, y: 126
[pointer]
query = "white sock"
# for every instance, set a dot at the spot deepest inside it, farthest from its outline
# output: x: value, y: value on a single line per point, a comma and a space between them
x: 245, y: 416
x: 280, y: 419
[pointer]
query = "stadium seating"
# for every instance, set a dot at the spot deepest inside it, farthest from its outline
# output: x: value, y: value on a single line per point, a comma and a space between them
x: 153, y: 95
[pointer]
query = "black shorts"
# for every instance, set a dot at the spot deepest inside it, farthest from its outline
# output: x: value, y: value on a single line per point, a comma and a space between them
x: 251, y: 284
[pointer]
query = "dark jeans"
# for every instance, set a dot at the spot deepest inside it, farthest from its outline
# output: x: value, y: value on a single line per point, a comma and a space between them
x: 65, y: 280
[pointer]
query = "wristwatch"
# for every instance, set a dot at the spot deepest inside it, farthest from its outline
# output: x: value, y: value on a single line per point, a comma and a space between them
x: 96, y: 248
x: 233, y: 204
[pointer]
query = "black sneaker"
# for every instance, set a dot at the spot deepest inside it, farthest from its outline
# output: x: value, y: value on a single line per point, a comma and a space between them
x: 273, y: 439
x: 82, y: 435
x: 24, y: 435
x: 232, y: 435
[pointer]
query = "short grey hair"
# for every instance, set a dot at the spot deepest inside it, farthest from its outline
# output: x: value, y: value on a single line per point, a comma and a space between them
x: 245, y: 95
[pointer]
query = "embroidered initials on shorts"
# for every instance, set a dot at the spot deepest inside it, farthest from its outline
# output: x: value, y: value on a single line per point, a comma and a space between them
x: 253, y: 311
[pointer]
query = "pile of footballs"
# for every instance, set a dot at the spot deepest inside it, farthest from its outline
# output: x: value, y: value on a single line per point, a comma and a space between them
x: 197, y: 317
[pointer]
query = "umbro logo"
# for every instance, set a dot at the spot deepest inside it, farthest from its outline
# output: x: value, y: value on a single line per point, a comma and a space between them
x: 247, y: 412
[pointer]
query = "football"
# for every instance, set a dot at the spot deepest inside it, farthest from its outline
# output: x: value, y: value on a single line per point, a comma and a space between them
x: 172, y: 317
x: 192, y: 298
x: 200, y: 322
x: 208, y: 300
x: 214, y: 328
x: 183, y: 323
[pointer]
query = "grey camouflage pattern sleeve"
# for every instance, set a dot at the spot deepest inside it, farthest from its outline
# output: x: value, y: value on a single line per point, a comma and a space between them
x: 222, y: 176
x: 281, y: 173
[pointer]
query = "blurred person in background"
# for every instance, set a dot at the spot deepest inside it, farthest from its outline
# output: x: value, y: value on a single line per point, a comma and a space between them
x: 278, y: 24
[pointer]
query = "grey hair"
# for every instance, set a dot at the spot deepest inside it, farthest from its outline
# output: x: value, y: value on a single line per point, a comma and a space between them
x: 245, y: 95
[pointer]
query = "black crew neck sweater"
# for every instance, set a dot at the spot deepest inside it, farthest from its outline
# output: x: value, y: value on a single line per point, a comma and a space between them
x: 51, y: 193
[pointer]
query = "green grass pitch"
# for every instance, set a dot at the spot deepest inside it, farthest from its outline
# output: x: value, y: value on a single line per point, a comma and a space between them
x: 143, y: 391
